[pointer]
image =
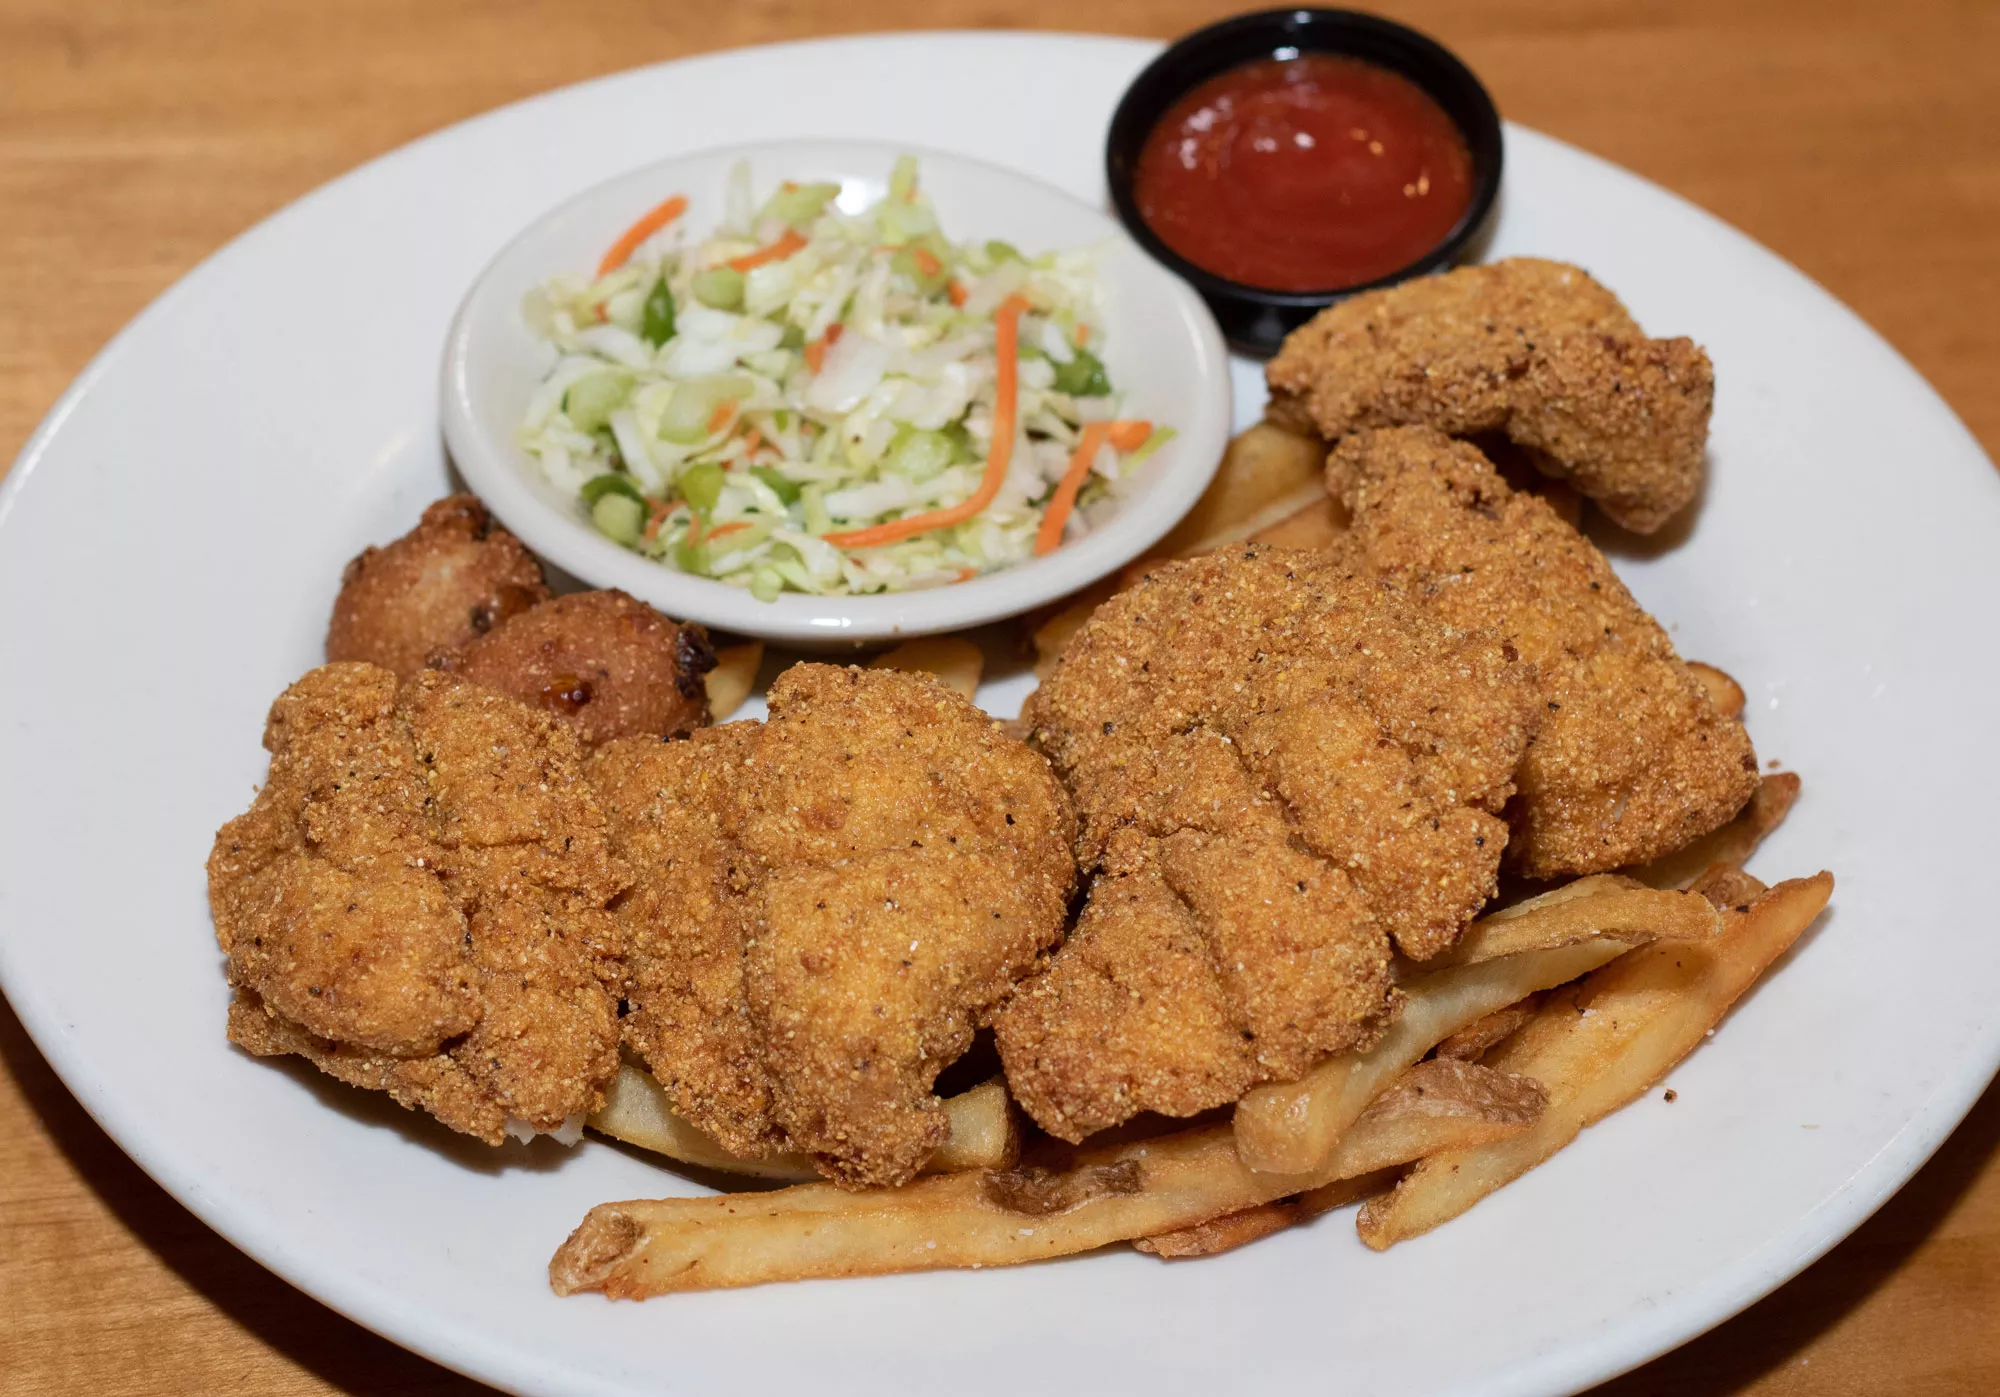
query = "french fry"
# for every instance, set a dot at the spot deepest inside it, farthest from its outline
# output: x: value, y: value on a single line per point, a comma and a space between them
x: 1597, y: 1046
x: 1053, y: 633
x: 734, y: 675
x: 1477, y: 1038
x: 984, y: 1134
x: 1141, y: 1188
x: 1726, y: 885
x: 1267, y: 474
x: 1733, y: 843
x: 1289, y: 1128
x: 955, y: 661
x: 1315, y: 526
x: 1600, y: 905
x: 1234, y: 1230
x: 1723, y: 692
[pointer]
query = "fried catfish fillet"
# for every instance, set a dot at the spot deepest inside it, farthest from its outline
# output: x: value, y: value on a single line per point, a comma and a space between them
x: 605, y: 662
x: 416, y: 902
x: 1280, y: 764
x: 1633, y: 760
x: 449, y: 580
x: 828, y: 905
x: 1532, y: 349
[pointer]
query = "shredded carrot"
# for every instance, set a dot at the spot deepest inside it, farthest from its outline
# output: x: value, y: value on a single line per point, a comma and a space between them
x: 1006, y: 395
x: 660, y: 512
x: 1130, y: 435
x: 778, y: 251
x: 602, y: 313
x: 719, y: 419
x: 816, y: 351
x: 1049, y: 536
x: 1082, y: 334
x: 957, y: 292
x: 926, y: 260
x: 752, y: 439
x: 629, y: 240
x: 967, y: 574
x: 694, y: 529
x: 724, y: 530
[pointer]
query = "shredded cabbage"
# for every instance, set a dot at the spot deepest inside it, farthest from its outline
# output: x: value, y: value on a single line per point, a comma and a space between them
x: 842, y: 379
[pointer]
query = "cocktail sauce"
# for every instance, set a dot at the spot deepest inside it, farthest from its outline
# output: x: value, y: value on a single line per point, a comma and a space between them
x: 1310, y: 173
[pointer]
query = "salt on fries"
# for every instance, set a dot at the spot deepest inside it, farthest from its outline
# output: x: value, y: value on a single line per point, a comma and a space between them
x: 1144, y: 1188
x: 1600, y: 1044
x: 1289, y: 1127
x: 984, y: 1132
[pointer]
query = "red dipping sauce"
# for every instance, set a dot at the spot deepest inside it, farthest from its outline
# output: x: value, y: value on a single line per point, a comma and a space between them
x: 1304, y: 174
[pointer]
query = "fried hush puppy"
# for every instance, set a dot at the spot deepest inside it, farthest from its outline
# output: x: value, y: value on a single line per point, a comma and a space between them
x: 1532, y: 349
x: 1632, y: 760
x: 605, y: 662
x: 828, y: 905
x: 453, y: 578
x: 417, y: 902
x: 1282, y: 766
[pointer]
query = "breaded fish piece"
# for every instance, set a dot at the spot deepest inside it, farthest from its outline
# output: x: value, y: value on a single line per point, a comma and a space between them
x: 828, y: 905
x: 672, y: 812
x: 1529, y: 348
x: 451, y: 579
x: 1632, y: 761
x: 416, y: 901
x: 605, y: 662
x: 1280, y: 764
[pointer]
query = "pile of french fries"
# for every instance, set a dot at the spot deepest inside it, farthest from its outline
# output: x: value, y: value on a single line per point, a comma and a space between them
x: 1547, y: 1016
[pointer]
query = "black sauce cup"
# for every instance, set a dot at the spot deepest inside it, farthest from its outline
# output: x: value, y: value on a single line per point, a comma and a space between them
x: 1253, y: 319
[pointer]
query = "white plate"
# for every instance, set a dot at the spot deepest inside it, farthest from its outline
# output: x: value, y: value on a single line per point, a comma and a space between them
x: 170, y: 544
x: 1161, y: 346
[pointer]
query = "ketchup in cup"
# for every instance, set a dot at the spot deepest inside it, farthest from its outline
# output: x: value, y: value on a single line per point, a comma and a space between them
x: 1312, y: 173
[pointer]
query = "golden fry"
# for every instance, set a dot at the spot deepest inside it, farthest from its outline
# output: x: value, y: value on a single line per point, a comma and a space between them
x: 984, y: 1132
x: 1315, y: 526
x: 1723, y: 692
x: 1266, y: 475
x: 1234, y: 1230
x: 1610, y: 906
x: 1477, y: 1038
x: 734, y: 675
x: 1600, y: 1044
x: 1290, y: 1127
x: 1139, y: 1189
x: 956, y: 662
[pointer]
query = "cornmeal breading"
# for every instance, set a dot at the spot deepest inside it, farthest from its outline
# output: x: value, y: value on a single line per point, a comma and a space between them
x: 1632, y: 760
x: 1529, y: 348
x: 1301, y: 764
x: 416, y: 901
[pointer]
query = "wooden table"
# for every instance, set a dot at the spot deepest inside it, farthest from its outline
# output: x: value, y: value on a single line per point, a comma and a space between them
x: 1862, y: 141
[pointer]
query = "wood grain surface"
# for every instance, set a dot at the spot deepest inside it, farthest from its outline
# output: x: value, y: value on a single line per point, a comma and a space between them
x: 1861, y: 141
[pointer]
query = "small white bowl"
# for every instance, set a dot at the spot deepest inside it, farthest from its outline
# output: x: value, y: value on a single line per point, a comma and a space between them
x: 1161, y: 347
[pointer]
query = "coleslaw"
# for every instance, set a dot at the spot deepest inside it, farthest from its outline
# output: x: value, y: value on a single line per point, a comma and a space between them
x: 826, y: 395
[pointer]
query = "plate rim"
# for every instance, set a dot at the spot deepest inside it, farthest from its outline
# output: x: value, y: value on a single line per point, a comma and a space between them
x: 1618, y: 1347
